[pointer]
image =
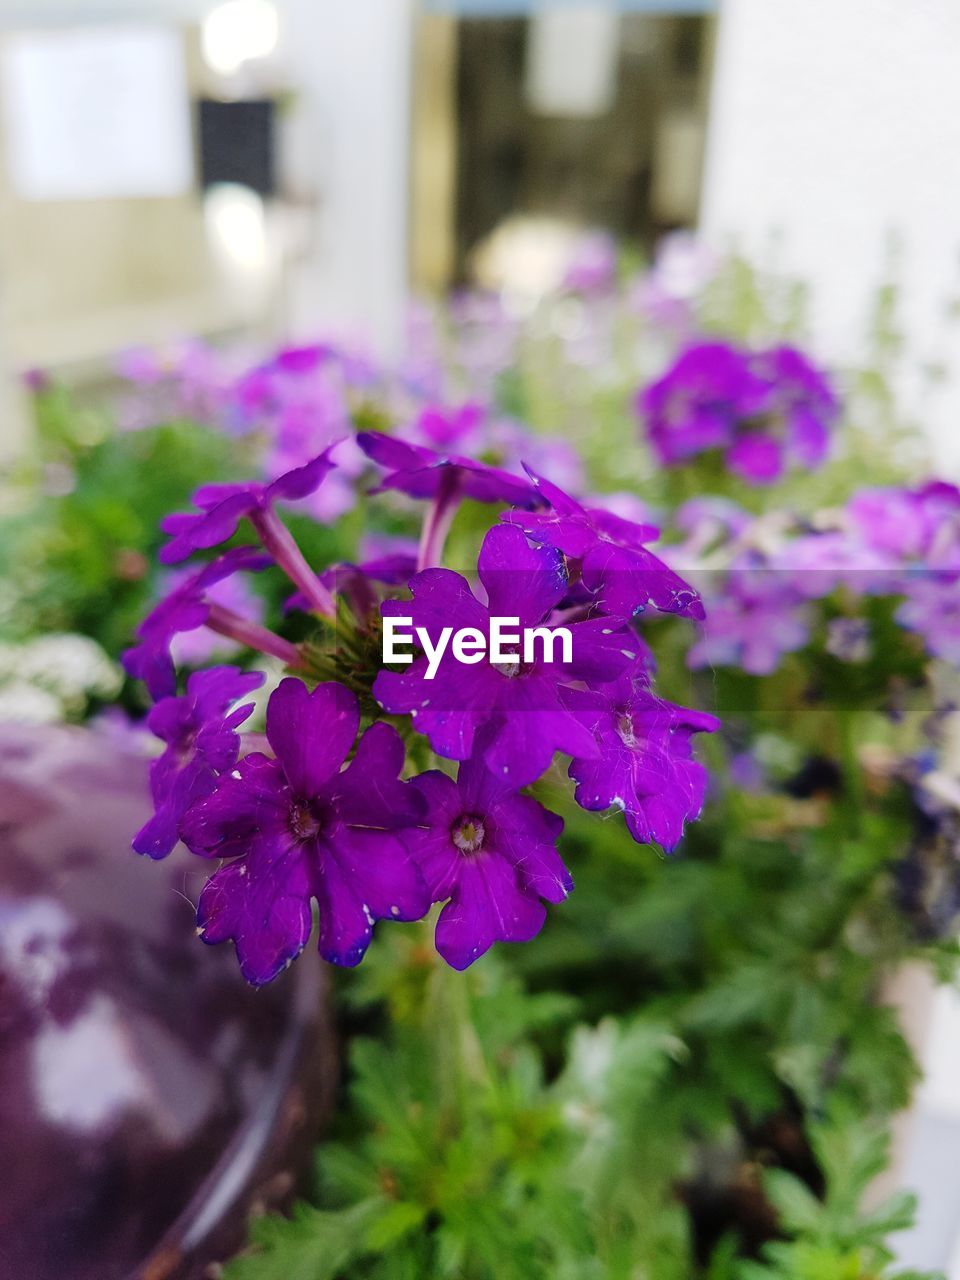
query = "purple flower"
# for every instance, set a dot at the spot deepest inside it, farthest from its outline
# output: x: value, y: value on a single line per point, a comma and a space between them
x: 593, y: 264
x: 754, y: 620
x: 492, y: 854
x: 185, y: 380
x: 817, y: 563
x: 696, y: 404
x: 423, y: 473
x: 186, y: 607
x: 763, y: 410
x: 512, y: 715
x: 297, y: 828
x: 891, y: 520
x: 194, y: 648
x: 800, y: 406
x: 443, y: 428
x: 932, y: 609
x: 756, y: 456
x: 202, y: 743
x: 300, y: 398
x: 223, y: 506
x: 644, y: 765
x: 513, y: 444
x: 681, y: 269
x: 607, y: 554
x: 920, y: 525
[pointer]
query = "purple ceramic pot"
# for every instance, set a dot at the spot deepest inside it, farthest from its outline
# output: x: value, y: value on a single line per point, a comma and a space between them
x: 149, y: 1099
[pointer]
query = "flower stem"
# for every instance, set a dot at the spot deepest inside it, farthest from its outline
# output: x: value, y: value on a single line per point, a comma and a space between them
x: 252, y: 636
x: 854, y: 791
x: 459, y: 1059
x: 437, y: 521
x: 280, y: 543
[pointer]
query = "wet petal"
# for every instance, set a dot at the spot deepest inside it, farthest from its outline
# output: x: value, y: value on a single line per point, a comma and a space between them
x: 262, y: 903
x: 311, y: 733
x: 368, y: 793
x: 381, y: 872
x: 520, y: 581
x: 252, y: 800
x: 487, y: 906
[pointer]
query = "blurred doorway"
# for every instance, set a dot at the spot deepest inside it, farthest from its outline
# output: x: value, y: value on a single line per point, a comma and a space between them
x: 576, y: 115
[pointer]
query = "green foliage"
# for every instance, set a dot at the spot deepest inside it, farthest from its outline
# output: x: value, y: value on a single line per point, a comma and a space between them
x: 834, y: 1237
x: 489, y: 1133
x: 692, y: 1071
x: 83, y: 558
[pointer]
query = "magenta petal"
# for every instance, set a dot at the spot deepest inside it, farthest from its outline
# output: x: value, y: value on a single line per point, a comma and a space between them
x: 311, y: 733
x: 520, y: 748
x: 248, y: 803
x: 441, y: 598
x: 808, y: 438
x: 520, y: 581
x: 158, y: 837
x: 487, y: 907
x: 756, y: 457
x: 368, y: 792
x: 432, y: 848
x: 301, y: 482
x: 603, y: 649
x: 381, y: 873
x: 573, y: 535
x: 446, y: 710
x: 391, y: 453
x: 263, y: 903
x: 346, y: 927
x: 194, y: 533
x: 625, y: 580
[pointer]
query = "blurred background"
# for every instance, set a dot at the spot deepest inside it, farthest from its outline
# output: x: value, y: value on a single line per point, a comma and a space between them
x: 278, y: 167
x: 263, y: 174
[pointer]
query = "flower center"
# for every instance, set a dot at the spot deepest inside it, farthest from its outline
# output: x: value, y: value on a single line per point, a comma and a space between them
x: 513, y: 667
x: 305, y: 823
x: 468, y: 834
x: 626, y: 730
x: 508, y: 669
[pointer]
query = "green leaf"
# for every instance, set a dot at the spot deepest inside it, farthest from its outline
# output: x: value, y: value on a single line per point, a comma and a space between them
x: 313, y: 1244
x: 395, y: 1223
x: 796, y: 1205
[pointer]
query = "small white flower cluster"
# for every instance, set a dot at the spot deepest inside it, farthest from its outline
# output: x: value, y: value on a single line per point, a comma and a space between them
x: 53, y: 678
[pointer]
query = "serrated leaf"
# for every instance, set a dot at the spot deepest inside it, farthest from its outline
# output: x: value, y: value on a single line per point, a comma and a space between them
x: 396, y: 1222
x: 797, y: 1207
x: 312, y: 1244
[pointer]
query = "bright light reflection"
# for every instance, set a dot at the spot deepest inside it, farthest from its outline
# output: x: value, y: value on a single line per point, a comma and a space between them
x: 239, y: 31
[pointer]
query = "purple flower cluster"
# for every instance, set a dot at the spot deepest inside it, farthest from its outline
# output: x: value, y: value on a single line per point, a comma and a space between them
x: 898, y: 543
x: 762, y: 411
x: 300, y: 399
x: 323, y: 815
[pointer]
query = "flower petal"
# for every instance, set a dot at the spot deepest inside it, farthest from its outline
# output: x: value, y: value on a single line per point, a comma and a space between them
x: 311, y: 733
x: 368, y: 793
x: 487, y: 906
x: 262, y: 902
x: 251, y: 802
x: 381, y: 872
x: 520, y: 581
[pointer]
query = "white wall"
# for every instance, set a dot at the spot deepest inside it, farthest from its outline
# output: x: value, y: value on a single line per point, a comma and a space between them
x: 836, y: 122
x: 29, y: 13
x: 348, y: 147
